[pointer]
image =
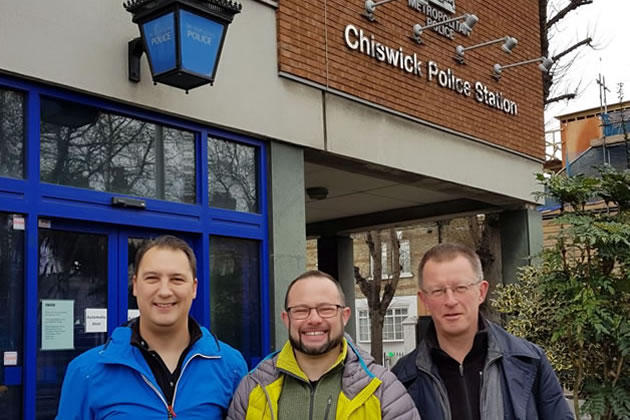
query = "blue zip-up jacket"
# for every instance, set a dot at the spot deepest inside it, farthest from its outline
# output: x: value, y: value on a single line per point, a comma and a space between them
x: 527, y: 386
x: 114, y: 381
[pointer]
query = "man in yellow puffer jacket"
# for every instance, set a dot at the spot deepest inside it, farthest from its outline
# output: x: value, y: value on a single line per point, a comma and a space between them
x: 319, y: 374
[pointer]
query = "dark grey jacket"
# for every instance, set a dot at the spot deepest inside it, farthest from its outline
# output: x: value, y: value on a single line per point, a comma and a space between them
x: 519, y: 383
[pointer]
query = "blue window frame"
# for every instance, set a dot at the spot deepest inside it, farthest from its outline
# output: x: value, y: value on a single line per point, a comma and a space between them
x: 76, y: 207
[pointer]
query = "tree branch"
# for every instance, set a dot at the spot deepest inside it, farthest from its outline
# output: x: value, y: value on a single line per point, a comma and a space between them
x: 585, y: 41
x: 560, y: 98
x: 573, y: 4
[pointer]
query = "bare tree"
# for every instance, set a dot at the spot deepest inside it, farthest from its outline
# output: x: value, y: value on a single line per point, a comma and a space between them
x: 552, y: 12
x: 380, y: 289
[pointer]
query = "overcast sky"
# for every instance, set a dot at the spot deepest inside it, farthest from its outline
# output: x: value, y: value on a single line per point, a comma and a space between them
x: 609, y: 22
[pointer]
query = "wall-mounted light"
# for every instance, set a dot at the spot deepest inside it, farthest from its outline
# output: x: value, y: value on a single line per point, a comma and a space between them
x: 544, y: 66
x: 317, y: 193
x: 183, y: 39
x: 508, y: 45
x: 469, y: 22
x: 370, y: 7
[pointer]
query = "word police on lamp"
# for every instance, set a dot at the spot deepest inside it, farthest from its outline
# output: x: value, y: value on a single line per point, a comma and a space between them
x: 544, y: 66
x: 183, y: 39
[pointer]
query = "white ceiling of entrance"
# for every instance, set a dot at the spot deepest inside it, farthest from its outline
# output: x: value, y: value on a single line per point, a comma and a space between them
x: 358, y: 192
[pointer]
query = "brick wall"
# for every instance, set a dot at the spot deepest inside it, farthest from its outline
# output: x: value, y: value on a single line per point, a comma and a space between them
x: 311, y: 45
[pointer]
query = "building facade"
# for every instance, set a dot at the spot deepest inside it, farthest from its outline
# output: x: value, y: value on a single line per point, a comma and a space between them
x: 307, y: 94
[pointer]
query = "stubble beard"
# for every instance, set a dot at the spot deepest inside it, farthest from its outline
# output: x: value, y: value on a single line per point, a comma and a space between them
x: 316, y: 351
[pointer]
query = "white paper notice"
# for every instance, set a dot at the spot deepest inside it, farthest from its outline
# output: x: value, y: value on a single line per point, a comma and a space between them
x: 18, y: 222
x: 95, y: 320
x: 132, y: 313
x: 57, y: 325
x: 10, y: 358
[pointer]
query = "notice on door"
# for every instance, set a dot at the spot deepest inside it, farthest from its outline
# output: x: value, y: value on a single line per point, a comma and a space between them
x: 57, y: 325
x: 95, y: 320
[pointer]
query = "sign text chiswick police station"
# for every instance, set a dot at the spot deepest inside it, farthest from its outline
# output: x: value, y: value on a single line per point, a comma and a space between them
x: 356, y: 39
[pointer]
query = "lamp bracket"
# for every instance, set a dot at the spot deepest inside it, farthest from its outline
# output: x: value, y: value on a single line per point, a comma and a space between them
x: 135, y: 51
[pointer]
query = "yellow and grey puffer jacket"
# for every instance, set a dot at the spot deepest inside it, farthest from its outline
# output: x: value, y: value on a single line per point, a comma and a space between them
x: 369, y: 391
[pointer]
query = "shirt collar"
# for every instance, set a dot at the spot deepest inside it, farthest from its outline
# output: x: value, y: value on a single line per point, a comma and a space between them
x: 481, y: 336
x: 136, y: 338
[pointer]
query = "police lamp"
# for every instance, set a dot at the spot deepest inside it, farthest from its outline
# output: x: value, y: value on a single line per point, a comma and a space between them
x: 183, y: 39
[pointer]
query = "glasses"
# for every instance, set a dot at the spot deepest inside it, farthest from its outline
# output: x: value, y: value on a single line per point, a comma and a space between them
x: 300, y: 313
x: 459, y: 290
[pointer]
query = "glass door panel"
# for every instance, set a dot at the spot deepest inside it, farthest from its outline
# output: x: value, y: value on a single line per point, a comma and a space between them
x: 72, y: 312
x: 133, y: 246
x: 11, y: 315
x: 235, y: 294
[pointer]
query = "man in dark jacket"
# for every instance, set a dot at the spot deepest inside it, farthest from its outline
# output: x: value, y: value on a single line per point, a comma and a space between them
x: 465, y: 367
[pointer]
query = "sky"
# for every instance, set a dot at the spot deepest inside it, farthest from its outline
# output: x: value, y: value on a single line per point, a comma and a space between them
x: 607, y: 21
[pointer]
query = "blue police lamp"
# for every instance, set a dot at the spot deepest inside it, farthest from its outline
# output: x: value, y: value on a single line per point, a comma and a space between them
x: 183, y: 39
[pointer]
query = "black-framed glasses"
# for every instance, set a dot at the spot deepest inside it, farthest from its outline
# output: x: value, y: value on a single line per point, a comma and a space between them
x: 301, y: 312
x: 458, y: 290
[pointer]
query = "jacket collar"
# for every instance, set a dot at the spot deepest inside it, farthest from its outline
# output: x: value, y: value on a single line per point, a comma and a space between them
x: 119, y: 350
x: 508, y: 345
x: 500, y: 343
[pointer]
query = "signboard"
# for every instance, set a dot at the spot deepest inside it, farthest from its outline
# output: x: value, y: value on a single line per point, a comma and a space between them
x: 159, y: 34
x: 434, y: 15
x: 200, y: 42
x: 95, y: 320
x: 132, y: 313
x: 358, y: 40
x: 57, y: 325
x: 10, y: 358
x: 445, y: 4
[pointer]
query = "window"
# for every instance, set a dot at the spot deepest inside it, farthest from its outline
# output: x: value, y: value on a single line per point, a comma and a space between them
x: 11, y: 310
x: 232, y: 176
x: 386, y: 259
x: 85, y: 147
x: 392, y: 325
x: 11, y: 134
x: 235, y: 293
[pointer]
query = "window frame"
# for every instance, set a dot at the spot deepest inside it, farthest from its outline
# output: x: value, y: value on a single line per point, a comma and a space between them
x: 364, y: 322
x: 36, y: 199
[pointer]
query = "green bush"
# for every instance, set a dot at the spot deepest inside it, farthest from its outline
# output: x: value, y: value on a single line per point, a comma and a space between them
x: 575, y: 301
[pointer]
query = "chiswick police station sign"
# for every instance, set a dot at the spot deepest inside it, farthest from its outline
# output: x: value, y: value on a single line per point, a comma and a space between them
x: 358, y: 40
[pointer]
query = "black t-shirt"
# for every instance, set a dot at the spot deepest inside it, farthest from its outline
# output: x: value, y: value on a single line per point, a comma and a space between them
x: 164, y: 377
x: 463, y: 382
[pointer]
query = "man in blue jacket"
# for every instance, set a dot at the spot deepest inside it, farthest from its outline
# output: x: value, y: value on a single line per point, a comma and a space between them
x: 162, y: 364
x: 465, y: 367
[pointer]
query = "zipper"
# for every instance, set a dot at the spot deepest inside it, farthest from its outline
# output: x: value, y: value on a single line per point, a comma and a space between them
x: 328, y: 404
x: 169, y: 408
x: 310, y: 408
x: 171, y: 412
x: 465, y: 387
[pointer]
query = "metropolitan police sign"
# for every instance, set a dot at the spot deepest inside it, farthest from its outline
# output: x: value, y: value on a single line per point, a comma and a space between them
x: 445, y: 4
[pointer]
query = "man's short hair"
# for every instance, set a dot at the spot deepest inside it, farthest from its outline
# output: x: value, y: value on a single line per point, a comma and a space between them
x: 168, y: 242
x: 450, y: 251
x: 315, y: 273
